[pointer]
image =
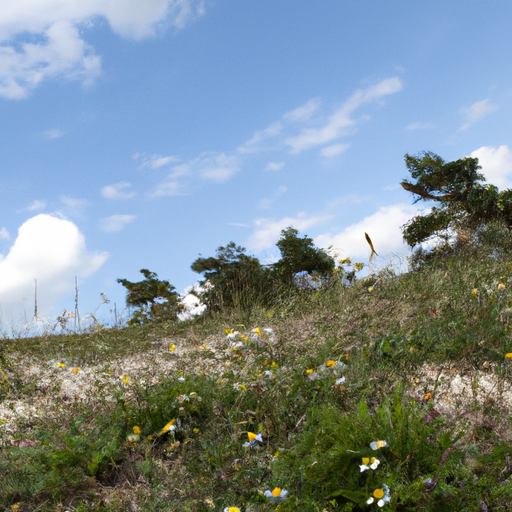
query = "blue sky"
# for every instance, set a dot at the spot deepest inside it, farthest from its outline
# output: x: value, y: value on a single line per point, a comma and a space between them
x: 143, y: 133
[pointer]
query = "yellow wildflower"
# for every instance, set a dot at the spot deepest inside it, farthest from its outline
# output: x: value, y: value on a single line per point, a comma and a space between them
x: 125, y: 379
x: 378, y: 493
x: 330, y: 363
x: 310, y: 371
x: 75, y: 371
x: 172, y: 348
x: 501, y: 287
x: 257, y: 331
x: 60, y: 364
x: 427, y: 397
x: 508, y: 355
x: 169, y: 426
x: 474, y: 292
x: 274, y: 365
x: 136, y: 430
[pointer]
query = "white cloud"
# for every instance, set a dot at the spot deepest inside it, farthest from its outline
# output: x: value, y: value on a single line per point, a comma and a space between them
x: 476, y: 112
x: 421, y: 126
x: 54, y: 134
x: 153, y: 161
x: 268, y: 231
x: 334, y: 150
x: 169, y: 188
x: 217, y: 166
x: 74, y: 207
x: 116, y: 223
x: 4, y: 234
x: 116, y: 191
x: 274, y: 166
x: 42, y: 39
x: 341, y: 119
x: 61, y: 54
x: 496, y: 165
x: 259, y: 141
x: 267, y: 202
x: 304, y: 112
x: 51, y: 250
x: 383, y: 227
x: 37, y: 204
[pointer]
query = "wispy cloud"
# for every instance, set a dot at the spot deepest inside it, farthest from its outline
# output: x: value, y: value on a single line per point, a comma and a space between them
x: 304, y: 112
x: 338, y: 122
x: 268, y: 201
x: 154, y: 161
x: 274, y: 166
x: 36, y: 205
x: 260, y: 140
x: 54, y: 134
x: 4, y: 234
x: 475, y: 112
x: 116, y: 191
x: 334, y: 150
x: 43, y: 40
x: 421, y: 126
x: 116, y: 223
x: 74, y: 207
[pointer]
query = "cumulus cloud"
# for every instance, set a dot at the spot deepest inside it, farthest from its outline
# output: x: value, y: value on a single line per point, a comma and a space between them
x: 268, y: 231
x: 341, y: 119
x: 51, y: 250
x: 496, y: 165
x: 43, y: 39
x: 476, y: 112
x: 116, y: 223
x: 383, y: 227
x: 116, y: 191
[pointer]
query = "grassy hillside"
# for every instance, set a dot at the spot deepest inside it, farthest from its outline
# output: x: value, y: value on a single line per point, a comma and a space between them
x: 156, y: 418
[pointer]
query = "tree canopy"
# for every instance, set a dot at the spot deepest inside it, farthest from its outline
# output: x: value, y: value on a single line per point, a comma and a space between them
x: 464, y: 205
x: 151, y: 297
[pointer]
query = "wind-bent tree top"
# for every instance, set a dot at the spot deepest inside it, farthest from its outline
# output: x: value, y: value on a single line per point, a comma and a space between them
x: 463, y: 202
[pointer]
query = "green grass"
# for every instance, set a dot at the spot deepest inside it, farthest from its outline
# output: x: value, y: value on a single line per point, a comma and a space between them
x: 424, y: 365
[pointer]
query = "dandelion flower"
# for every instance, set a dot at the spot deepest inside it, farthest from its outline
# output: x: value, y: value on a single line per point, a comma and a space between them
x: 253, y: 439
x: 427, y: 397
x: 257, y: 331
x: 376, y: 445
x: 310, y: 371
x: 277, y: 494
x: 125, y: 379
x: 136, y: 430
x: 330, y: 363
x: 172, y: 348
x: 474, y: 292
x: 508, y: 355
x: 231, y: 509
x: 60, y: 364
x: 74, y: 371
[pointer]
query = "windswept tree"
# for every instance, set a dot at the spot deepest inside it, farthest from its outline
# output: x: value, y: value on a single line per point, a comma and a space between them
x: 152, y: 298
x: 463, y: 205
x: 237, y: 280
x: 301, y: 255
